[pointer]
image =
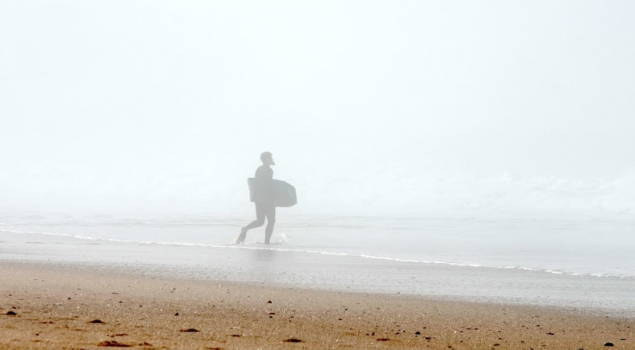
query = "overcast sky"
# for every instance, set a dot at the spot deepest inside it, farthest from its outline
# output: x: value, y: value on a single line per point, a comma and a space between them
x: 343, y: 89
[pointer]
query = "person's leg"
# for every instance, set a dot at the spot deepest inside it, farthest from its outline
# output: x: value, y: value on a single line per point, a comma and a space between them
x: 271, y: 220
x: 260, y: 220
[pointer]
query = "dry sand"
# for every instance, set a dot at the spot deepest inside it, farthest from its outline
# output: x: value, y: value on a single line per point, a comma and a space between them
x: 80, y: 307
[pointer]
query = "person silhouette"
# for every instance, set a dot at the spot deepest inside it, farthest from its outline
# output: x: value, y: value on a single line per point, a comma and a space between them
x: 263, y: 196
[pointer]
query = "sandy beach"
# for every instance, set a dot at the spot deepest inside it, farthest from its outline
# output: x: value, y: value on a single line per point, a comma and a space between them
x: 71, y: 306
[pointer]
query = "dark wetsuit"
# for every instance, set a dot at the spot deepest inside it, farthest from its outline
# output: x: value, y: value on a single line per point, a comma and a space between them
x: 264, y: 175
x: 265, y: 203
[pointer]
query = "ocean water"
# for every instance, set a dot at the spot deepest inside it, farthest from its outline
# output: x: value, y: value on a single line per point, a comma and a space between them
x: 587, y: 246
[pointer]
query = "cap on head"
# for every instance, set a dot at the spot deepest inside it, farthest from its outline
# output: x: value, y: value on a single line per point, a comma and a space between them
x: 265, y: 155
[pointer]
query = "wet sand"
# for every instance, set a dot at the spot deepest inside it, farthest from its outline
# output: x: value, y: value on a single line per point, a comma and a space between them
x: 73, y: 306
x: 274, y: 266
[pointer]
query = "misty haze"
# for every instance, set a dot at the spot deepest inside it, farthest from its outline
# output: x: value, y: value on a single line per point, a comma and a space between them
x: 437, y: 148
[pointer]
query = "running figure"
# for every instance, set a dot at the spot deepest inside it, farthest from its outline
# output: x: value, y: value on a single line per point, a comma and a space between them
x: 264, y: 197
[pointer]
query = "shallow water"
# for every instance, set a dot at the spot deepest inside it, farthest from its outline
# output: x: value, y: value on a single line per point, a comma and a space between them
x: 575, y: 246
x: 261, y: 264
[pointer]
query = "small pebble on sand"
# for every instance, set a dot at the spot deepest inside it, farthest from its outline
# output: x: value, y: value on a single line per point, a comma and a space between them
x: 189, y: 330
x: 293, y: 340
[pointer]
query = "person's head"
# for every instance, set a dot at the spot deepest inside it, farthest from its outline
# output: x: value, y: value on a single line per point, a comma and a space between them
x: 267, y: 158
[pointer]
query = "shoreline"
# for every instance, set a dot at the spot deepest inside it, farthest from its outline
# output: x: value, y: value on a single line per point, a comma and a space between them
x: 608, y: 296
x: 55, y: 304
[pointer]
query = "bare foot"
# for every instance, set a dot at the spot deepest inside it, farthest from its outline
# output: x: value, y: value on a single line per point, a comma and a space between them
x: 241, y: 238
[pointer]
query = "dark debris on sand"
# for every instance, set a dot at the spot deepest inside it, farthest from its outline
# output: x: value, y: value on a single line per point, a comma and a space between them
x: 118, y: 335
x: 113, y: 343
x: 97, y: 321
x: 189, y: 330
x: 293, y: 340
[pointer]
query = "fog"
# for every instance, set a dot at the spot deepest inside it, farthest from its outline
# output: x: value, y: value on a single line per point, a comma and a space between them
x: 370, y: 108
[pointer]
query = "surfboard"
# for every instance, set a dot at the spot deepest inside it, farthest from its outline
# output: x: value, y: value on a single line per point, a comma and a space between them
x: 282, y: 192
x: 285, y: 194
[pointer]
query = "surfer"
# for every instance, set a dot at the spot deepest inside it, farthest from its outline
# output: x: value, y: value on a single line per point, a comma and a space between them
x: 264, y: 199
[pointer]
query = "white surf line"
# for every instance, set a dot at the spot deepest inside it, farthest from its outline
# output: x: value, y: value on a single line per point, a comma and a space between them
x: 364, y: 256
